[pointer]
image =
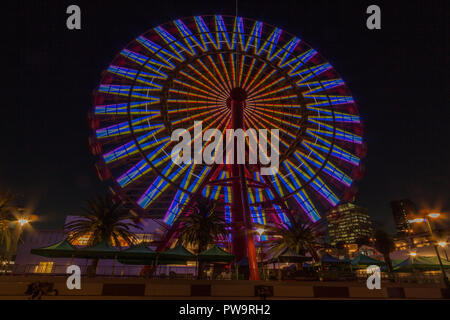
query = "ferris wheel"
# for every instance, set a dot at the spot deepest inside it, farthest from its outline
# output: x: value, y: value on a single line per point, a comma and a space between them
x: 197, y: 69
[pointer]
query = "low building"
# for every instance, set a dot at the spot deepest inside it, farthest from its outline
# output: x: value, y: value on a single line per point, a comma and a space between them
x: 27, y: 263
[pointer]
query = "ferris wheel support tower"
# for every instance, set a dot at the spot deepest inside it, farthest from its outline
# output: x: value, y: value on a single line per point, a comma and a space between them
x: 242, y: 233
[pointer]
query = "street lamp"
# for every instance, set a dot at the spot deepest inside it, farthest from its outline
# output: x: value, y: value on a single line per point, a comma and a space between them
x: 22, y: 221
x: 433, y: 215
x: 443, y: 244
x: 260, y: 232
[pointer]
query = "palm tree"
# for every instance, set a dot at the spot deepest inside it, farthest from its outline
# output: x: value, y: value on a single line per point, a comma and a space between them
x: 6, y: 217
x: 297, y: 236
x: 103, y: 220
x: 385, y: 245
x: 202, y: 228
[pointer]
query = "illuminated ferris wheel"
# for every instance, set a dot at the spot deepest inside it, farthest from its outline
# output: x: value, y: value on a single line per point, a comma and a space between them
x: 228, y: 72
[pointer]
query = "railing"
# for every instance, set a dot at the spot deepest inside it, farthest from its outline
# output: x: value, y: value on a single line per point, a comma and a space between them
x: 189, y: 272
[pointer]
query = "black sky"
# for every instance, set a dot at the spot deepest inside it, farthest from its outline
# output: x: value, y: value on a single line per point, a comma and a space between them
x: 399, y: 77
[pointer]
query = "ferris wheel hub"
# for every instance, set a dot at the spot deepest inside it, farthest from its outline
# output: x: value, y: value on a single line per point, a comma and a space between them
x: 238, y: 93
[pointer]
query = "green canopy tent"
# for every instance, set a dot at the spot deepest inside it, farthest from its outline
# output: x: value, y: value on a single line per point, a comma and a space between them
x: 142, y: 255
x: 420, y: 263
x: 178, y: 253
x: 62, y: 249
x: 102, y: 250
x: 138, y: 252
x: 215, y: 254
x: 362, y: 261
x: 327, y: 259
x: 289, y: 255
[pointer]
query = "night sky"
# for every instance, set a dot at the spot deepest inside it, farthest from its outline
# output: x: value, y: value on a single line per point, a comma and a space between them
x: 399, y: 76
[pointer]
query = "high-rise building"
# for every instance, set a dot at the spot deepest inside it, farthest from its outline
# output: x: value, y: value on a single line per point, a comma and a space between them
x: 403, y: 210
x: 347, y: 223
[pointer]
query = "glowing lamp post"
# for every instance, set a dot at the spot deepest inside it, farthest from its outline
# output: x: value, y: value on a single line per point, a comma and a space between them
x: 23, y: 221
x: 433, y: 215
x: 260, y: 231
x: 443, y: 244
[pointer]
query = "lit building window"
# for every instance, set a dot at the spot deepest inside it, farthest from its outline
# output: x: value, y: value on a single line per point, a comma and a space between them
x: 44, y: 267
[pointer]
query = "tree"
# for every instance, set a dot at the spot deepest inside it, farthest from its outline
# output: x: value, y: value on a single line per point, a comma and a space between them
x: 363, y: 241
x: 6, y: 217
x: 202, y: 228
x: 297, y: 236
x: 385, y: 245
x: 103, y: 220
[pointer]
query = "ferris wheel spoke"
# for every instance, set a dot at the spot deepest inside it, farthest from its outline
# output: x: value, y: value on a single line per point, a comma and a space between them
x: 222, y: 83
x: 181, y: 197
x: 325, y: 129
x: 279, y: 120
x: 207, y: 99
x: 255, y: 117
x: 261, y: 144
x: 260, y: 93
x: 257, y: 75
x: 134, y: 108
x: 249, y: 72
x: 129, y: 91
x: 255, y: 36
x: 175, y: 45
x: 172, y: 172
x: 278, y: 105
x: 271, y: 42
x: 217, y: 114
x: 316, y: 183
x: 142, y: 168
x: 209, y: 94
x: 279, y: 98
x: 336, y: 151
x: 300, y: 60
x: 220, y: 88
x: 241, y: 71
x: 321, y: 85
x: 328, y: 100
x: 225, y: 71
x: 329, y: 167
x: 124, y: 127
x: 165, y: 56
x: 139, y: 76
x: 143, y: 60
x: 255, y: 197
x: 261, y: 82
x: 301, y: 197
x: 329, y: 115
x: 239, y: 34
x: 310, y: 73
x: 188, y: 37
x: 146, y: 142
x: 210, y: 86
x: 184, y: 111
x: 221, y: 32
x: 285, y: 51
x: 281, y: 113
